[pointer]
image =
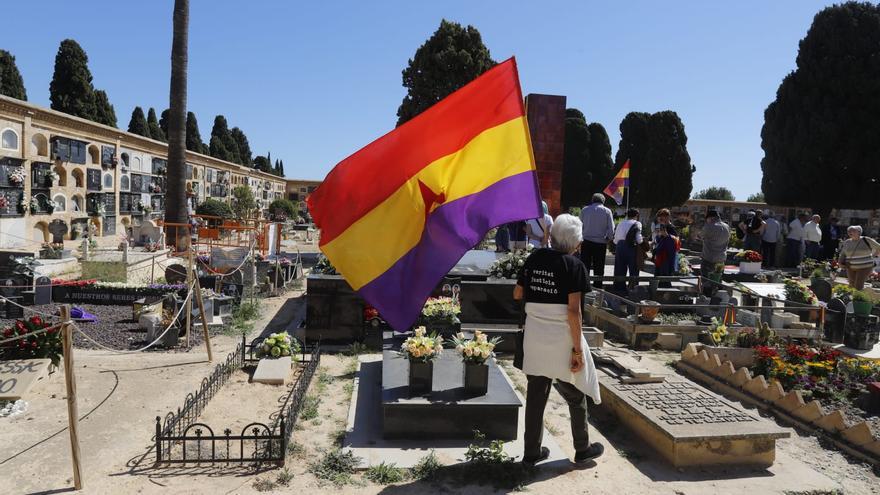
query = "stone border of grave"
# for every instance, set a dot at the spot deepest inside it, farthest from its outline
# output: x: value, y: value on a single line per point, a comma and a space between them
x: 263, y: 443
x: 739, y: 384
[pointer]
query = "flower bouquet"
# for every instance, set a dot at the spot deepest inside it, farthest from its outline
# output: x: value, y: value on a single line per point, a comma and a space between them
x: 749, y: 261
x: 509, y: 265
x: 440, y: 314
x: 278, y: 345
x: 16, y: 176
x: 421, y: 350
x: 34, y: 346
x: 798, y: 292
x: 53, y: 177
x: 474, y: 353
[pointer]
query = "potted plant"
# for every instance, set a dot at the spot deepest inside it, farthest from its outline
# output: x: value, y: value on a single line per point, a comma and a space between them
x: 420, y: 350
x: 749, y: 261
x: 863, y: 303
x: 648, y: 310
x: 474, y: 354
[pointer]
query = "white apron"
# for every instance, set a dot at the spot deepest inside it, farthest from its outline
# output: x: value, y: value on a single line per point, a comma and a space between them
x: 547, y: 349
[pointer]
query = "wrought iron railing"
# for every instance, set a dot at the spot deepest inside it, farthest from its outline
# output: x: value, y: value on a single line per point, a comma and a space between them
x: 180, y: 439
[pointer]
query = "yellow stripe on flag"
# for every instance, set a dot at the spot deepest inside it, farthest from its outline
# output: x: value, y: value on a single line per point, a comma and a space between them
x: 395, y: 226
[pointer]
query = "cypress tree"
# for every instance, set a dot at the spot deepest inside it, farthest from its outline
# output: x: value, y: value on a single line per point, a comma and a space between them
x: 163, y: 121
x: 71, y: 89
x: 281, y: 168
x: 153, y: 126
x: 223, y: 145
x: 820, y: 133
x: 587, y: 165
x: 452, y: 57
x: 244, y: 148
x: 138, y: 123
x: 104, y: 111
x: 193, y: 136
x: 11, y: 83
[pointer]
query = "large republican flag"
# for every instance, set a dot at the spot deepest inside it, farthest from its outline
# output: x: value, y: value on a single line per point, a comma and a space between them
x: 397, y: 215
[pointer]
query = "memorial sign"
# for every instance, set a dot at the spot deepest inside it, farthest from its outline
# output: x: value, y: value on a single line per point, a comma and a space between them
x: 43, y: 291
x: 691, y: 426
x: 18, y: 376
x: 58, y: 229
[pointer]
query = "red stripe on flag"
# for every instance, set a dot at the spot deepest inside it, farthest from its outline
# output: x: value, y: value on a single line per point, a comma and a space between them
x: 363, y: 180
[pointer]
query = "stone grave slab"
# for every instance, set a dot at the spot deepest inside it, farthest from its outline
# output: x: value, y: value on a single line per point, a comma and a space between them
x: 43, y: 291
x: 690, y: 426
x: 19, y: 375
x: 447, y: 412
x: 273, y: 371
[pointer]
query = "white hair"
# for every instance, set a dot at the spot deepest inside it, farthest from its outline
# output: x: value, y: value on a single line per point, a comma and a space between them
x: 855, y: 228
x: 566, y: 233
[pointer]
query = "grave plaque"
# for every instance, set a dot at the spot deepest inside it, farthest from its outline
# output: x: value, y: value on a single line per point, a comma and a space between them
x: 18, y: 376
x: 13, y: 310
x: 691, y: 426
x: 43, y: 291
x: 58, y: 229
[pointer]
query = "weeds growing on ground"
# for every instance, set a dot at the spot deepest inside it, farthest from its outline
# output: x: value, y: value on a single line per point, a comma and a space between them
x: 427, y: 468
x: 243, y: 317
x: 488, y: 463
x: 284, y: 477
x: 384, y: 474
x: 309, y: 408
x: 335, y: 466
x: 356, y: 349
x: 264, y: 485
x: 296, y: 449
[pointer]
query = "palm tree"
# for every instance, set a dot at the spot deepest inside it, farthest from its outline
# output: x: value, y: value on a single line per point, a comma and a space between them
x: 175, y: 197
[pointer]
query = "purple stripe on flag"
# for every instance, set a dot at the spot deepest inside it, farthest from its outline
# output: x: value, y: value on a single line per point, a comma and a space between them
x: 452, y: 229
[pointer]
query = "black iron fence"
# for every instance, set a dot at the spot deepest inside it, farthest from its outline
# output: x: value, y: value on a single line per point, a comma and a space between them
x: 180, y: 439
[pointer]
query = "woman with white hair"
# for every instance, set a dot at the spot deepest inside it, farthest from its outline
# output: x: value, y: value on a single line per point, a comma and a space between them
x: 554, y: 348
x: 857, y: 256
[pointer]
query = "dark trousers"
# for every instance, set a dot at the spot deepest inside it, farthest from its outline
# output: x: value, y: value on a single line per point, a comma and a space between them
x: 593, y: 256
x: 536, y: 400
x: 624, y: 260
x: 794, y: 252
x: 768, y: 252
x: 812, y: 249
x: 829, y: 249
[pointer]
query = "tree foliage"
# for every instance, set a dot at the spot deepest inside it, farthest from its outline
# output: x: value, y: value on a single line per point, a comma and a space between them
x: 11, y: 82
x: 756, y: 198
x: 193, y: 136
x: 715, y: 192
x: 104, y: 111
x: 71, y: 89
x: 163, y: 121
x: 154, y: 127
x: 283, y: 209
x: 587, y: 164
x: 452, y: 57
x: 243, y: 202
x: 661, y: 173
x: 822, y: 128
x: 279, y: 168
x: 245, y: 155
x: 223, y: 145
x: 138, y: 123
x: 262, y: 164
x: 214, y: 207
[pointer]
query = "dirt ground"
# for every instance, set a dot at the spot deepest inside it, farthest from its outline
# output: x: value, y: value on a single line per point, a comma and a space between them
x: 119, y: 398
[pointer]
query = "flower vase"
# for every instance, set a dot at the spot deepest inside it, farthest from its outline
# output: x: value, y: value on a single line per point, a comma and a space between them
x: 421, y: 375
x: 476, y: 379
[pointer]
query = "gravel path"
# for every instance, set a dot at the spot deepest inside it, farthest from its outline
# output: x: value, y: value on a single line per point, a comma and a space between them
x: 115, y: 328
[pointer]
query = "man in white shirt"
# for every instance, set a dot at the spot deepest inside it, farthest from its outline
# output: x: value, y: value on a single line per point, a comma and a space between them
x: 598, y: 232
x: 627, y: 236
x: 772, y: 234
x: 794, y: 243
x: 812, y: 237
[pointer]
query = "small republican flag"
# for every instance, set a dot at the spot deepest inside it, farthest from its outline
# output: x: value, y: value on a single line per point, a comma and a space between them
x: 618, y: 184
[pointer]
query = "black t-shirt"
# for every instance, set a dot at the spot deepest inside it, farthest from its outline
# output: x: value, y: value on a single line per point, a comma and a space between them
x: 549, y: 276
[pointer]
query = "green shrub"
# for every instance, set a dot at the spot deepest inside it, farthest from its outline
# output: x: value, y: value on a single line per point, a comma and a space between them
x: 427, y: 468
x: 862, y: 296
x: 282, y: 209
x: 335, y: 466
x: 215, y: 208
x: 384, y: 474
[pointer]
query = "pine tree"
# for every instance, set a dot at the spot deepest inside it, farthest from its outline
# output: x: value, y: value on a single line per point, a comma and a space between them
x: 11, y: 82
x: 138, y: 123
x: 452, y: 57
x: 104, y: 111
x: 244, y: 148
x: 153, y: 126
x: 71, y: 89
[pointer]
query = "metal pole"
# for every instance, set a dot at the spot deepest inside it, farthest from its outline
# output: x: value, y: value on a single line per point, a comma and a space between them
x: 70, y: 382
x: 189, y: 281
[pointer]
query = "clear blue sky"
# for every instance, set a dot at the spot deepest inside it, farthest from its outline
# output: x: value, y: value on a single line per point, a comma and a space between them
x: 312, y: 82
